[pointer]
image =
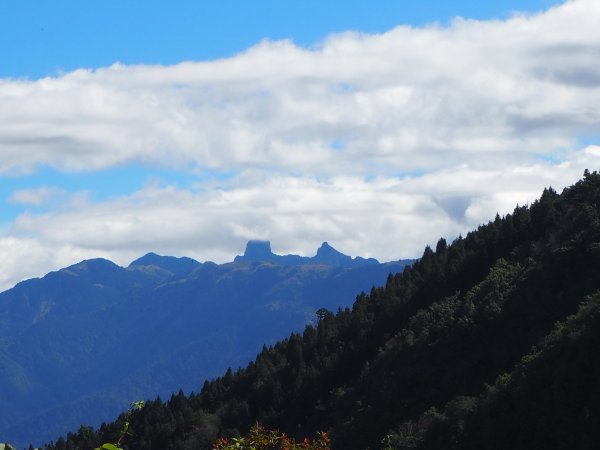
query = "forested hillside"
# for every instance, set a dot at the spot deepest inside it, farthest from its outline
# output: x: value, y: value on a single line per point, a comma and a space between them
x: 83, y: 342
x: 490, y: 342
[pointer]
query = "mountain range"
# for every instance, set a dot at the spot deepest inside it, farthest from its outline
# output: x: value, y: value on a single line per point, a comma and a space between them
x: 79, y: 344
x: 489, y: 342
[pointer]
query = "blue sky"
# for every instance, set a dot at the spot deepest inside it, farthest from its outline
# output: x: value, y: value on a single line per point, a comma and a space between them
x: 46, y: 38
x: 43, y: 37
x: 188, y: 127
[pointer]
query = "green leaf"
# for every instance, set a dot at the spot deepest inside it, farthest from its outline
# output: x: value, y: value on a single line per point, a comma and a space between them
x: 138, y: 405
x: 108, y: 446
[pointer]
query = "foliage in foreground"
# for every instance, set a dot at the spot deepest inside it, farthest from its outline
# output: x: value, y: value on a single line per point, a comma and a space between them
x: 135, y: 406
x: 259, y: 438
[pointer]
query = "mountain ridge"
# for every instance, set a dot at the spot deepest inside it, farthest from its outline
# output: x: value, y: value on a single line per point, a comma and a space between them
x: 96, y: 331
x: 257, y: 251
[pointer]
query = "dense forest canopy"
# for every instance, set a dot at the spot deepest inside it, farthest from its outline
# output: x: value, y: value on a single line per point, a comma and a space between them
x: 489, y: 342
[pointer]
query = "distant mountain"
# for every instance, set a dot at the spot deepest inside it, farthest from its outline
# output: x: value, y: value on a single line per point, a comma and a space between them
x: 83, y: 342
x: 488, y: 343
x: 326, y: 255
x: 169, y: 265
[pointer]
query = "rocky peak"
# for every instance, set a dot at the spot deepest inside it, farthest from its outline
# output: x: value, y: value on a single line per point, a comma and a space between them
x: 326, y: 254
x: 258, y: 251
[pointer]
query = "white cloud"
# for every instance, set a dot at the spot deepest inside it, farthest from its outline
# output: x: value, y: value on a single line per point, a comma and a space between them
x: 411, y: 98
x: 483, y: 114
x: 387, y: 218
x: 29, y: 257
x: 34, y: 197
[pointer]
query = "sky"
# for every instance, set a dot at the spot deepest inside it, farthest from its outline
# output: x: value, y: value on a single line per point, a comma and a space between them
x: 189, y: 128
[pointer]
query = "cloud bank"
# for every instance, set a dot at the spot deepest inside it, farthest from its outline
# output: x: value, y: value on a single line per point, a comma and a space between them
x: 379, y: 144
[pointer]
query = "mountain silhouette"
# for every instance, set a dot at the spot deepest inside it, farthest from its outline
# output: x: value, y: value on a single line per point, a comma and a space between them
x: 82, y: 342
x: 326, y: 255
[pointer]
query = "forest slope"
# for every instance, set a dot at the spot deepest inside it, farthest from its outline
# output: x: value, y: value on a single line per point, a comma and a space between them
x: 83, y: 342
x: 488, y: 343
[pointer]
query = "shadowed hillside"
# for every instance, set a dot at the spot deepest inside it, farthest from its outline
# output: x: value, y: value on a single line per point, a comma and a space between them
x: 487, y: 343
